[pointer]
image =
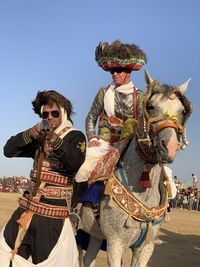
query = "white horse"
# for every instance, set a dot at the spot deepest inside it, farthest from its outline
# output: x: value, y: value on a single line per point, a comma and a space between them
x: 130, y: 215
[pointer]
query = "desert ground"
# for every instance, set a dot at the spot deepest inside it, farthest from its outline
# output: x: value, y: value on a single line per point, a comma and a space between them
x: 180, y: 236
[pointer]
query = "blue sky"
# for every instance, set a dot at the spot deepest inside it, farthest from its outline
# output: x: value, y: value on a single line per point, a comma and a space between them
x: 48, y: 44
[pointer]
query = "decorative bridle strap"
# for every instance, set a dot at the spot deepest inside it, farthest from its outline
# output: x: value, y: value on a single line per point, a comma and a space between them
x: 135, y: 102
x: 166, y: 124
x: 146, y: 151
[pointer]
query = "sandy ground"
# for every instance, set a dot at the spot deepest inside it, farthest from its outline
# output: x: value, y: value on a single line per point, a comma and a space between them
x: 180, y: 236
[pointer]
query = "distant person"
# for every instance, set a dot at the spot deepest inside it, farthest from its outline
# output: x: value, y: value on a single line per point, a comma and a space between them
x: 194, y: 180
x: 185, y: 202
x: 198, y: 199
x: 191, y: 201
x: 40, y: 227
x: 172, y: 190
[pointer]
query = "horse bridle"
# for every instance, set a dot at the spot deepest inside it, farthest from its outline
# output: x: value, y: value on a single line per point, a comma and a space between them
x: 167, y: 122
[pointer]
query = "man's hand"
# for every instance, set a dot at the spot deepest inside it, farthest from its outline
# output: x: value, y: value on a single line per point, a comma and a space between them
x: 35, y: 132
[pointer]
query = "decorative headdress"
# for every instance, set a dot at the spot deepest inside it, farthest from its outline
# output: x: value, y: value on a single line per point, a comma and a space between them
x: 117, y: 54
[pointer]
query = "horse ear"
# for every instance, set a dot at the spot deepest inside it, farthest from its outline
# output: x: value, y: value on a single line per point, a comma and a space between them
x: 147, y: 78
x: 182, y: 88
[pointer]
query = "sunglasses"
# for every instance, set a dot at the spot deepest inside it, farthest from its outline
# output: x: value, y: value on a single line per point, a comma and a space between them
x: 54, y: 113
x: 119, y: 70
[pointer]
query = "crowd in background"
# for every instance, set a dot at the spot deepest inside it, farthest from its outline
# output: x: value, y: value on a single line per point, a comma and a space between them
x: 187, y: 197
x: 14, y: 184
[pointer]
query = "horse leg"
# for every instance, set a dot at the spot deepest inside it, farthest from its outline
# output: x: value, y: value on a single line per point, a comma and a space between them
x: 142, y: 255
x: 114, y: 253
x: 92, y: 251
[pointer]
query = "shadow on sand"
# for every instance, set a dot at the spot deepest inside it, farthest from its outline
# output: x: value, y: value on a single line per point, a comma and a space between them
x: 176, y: 250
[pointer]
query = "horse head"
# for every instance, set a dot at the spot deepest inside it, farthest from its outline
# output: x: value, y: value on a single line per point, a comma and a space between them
x: 162, y: 123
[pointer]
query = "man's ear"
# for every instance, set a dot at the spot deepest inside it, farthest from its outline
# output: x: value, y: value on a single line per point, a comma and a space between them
x: 129, y: 75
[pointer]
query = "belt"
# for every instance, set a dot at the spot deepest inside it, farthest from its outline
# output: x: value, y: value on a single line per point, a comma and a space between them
x: 55, y: 192
x: 51, y: 178
x: 43, y: 209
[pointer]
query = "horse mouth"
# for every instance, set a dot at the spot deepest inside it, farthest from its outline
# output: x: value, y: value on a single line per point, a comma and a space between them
x: 166, y: 155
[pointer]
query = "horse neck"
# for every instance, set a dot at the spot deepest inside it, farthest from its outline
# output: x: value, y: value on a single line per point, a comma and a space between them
x: 133, y: 166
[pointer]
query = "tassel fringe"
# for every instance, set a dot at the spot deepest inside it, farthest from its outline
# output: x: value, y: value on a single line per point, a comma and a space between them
x: 144, y: 181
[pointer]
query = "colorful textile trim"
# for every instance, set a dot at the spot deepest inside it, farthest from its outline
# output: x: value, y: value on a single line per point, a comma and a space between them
x: 49, y: 164
x: 105, y: 166
x: 108, y: 63
x: 46, y: 210
x: 131, y: 204
x: 55, y: 192
x: 51, y: 178
x: 111, y: 124
x: 108, y: 162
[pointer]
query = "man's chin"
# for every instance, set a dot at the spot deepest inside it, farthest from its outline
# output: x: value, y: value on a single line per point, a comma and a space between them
x: 52, y: 127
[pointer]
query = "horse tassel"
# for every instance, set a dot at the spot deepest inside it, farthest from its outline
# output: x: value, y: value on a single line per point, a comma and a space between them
x: 144, y: 181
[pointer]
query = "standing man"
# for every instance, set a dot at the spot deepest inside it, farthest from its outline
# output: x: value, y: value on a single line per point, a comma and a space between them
x: 115, y: 106
x: 194, y: 180
x: 40, y: 228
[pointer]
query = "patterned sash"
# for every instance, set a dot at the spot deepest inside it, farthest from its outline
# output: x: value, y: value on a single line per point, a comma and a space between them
x: 131, y: 204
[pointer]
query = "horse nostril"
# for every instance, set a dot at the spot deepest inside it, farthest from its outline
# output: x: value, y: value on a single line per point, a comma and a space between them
x: 179, y: 146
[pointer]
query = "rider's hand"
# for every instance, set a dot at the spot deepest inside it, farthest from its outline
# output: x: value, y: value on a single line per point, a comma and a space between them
x: 94, y: 142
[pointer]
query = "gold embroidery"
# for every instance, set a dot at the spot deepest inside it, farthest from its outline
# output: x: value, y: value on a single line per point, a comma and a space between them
x: 171, y: 116
x: 82, y: 146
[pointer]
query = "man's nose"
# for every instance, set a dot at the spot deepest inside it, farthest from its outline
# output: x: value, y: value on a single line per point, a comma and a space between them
x: 50, y: 116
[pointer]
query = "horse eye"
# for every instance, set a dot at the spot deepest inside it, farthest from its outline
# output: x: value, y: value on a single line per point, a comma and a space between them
x: 184, y: 112
x: 179, y: 137
x: 150, y: 107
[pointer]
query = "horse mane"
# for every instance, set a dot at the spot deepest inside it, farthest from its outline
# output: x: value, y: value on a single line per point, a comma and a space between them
x: 164, y: 89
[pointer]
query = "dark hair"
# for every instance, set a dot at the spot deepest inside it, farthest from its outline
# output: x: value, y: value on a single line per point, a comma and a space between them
x: 49, y: 98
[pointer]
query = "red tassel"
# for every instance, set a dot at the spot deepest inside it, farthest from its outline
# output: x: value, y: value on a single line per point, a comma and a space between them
x: 144, y: 181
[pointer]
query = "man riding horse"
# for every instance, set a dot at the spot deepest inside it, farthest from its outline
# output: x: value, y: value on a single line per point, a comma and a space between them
x: 116, y: 108
x: 135, y: 197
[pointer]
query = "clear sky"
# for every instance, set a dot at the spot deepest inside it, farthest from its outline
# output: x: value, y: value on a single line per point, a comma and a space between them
x: 49, y: 44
